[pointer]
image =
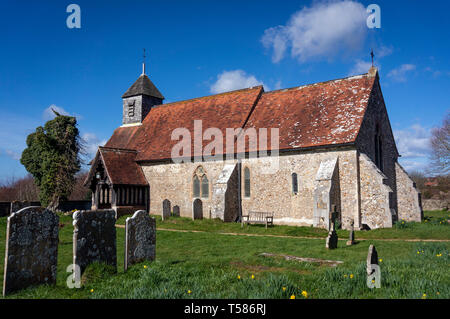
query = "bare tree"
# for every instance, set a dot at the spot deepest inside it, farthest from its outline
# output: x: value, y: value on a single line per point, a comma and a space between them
x: 440, y: 148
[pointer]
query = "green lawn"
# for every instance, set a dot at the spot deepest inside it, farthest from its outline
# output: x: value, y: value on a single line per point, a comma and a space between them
x: 209, y: 265
x: 435, y: 226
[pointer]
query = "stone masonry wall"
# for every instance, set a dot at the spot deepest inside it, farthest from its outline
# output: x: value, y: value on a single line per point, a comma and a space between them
x: 375, y: 210
x: 408, y: 196
x: 273, y: 192
x: 376, y: 114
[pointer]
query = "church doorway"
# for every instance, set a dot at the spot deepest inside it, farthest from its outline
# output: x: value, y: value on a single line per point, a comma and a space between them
x: 197, y: 209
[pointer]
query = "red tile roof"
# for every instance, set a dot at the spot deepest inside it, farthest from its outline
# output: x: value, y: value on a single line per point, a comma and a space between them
x: 153, y: 140
x: 121, y: 166
x: 315, y: 115
x: 327, y: 113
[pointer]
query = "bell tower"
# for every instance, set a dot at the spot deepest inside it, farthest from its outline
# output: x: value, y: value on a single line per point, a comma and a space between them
x: 139, y: 99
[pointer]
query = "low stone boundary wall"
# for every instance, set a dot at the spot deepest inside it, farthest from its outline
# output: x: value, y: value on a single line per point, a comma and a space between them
x: 434, y: 204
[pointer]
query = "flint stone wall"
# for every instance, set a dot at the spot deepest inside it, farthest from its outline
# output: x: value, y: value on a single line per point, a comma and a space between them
x: 31, y: 249
x: 409, y: 197
x: 94, y: 238
x: 435, y: 204
x: 140, y: 238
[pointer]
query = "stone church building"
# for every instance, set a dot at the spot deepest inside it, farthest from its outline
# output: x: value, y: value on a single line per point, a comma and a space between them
x: 336, y: 149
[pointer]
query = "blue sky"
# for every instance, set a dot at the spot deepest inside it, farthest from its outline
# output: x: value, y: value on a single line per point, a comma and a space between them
x: 197, y: 48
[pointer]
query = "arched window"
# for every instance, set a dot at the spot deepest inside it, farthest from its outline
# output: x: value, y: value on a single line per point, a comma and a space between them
x: 246, y: 182
x: 378, y: 148
x: 294, y: 183
x: 200, y: 183
x: 205, y: 187
x: 196, y: 186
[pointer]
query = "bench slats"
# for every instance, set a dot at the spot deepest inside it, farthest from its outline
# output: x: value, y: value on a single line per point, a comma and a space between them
x: 257, y: 218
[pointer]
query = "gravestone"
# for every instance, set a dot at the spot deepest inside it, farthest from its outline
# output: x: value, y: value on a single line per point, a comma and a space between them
x: 18, y: 205
x: 176, y: 211
x: 166, y: 209
x: 31, y: 249
x: 372, y: 259
x: 351, y: 239
x: 197, y: 209
x: 140, y: 238
x: 94, y: 238
x: 332, y: 239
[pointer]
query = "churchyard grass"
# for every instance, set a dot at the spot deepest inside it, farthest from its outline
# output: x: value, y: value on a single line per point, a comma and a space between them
x: 435, y: 226
x: 209, y: 265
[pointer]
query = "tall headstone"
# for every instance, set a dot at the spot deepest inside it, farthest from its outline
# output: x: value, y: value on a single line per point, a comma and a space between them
x: 166, y: 209
x: 31, y: 249
x: 332, y: 239
x: 140, y: 238
x: 351, y: 239
x: 176, y: 211
x: 94, y: 238
x: 372, y: 259
x: 197, y: 209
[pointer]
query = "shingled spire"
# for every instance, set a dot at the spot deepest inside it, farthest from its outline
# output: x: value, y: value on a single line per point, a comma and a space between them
x: 139, y: 99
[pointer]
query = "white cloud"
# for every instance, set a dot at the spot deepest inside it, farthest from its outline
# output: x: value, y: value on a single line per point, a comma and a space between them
x: 234, y: 80
x: 321, y: 31
x: 91, y: 144
x: 14, y: 155
x: 360, y: 67
x: 413, y: 142
x: 49, y: 115
x: 400, y: 74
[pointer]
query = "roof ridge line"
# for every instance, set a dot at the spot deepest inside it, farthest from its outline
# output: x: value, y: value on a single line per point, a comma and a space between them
x: 318, y: 83
x: 211, y: 95
x: 117, y: 149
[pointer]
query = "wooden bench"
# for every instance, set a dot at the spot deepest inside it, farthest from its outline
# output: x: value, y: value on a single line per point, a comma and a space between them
x: 257, y: 218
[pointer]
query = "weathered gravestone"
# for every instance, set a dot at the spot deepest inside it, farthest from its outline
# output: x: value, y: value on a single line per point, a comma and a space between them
x: 176, y: 211
x: 372, y: 259
x: 351, y: 239
x: 140, y: 238
x: 94, y: 238
x: 31, y: 249
x: 197, y: 209
x: 332, y: 239
x: 166, y: 209
x: 18, y: 205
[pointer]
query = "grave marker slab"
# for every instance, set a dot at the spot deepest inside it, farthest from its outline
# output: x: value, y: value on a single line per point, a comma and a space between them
x: 176, y: 211
x: 197, y: 209
x: 166, y: 209
x: 332, y: 239
x: 140, y: 238
x: 31, y: 249
x: 372, y: 259
x: 94, y: 238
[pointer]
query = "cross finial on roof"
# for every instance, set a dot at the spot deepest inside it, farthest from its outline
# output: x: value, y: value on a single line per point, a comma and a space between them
x: 143, y: 63
x: 372, y: 55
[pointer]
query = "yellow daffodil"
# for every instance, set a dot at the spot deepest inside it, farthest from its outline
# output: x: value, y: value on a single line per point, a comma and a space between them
x: 92, y: 290
x: 381, y: 260
x: 145, y: 266
x: 345, y: 276
x: 253, y: 277
x: 424, y: 296
x: 304, y: 294
x: 284, y: 288
x: 439, y: 255
x: 351, y: 276
x: 293, y: 297
x: 238, y: 277
x: 189, y: 292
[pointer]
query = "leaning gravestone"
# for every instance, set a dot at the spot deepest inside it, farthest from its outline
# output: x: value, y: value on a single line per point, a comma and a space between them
x: 197, y: 209
x: 31, y: 249
x: 94, y: 238
x: 372, y: 259
x: 332, y: 239
x: 176, y: 211
x: 166, y: 209
x: 140, y: 238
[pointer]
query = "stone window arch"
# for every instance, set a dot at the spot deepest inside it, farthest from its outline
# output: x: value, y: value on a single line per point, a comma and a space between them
x: 294, y: 183
x: 246, y: 182
x: 200, y: 183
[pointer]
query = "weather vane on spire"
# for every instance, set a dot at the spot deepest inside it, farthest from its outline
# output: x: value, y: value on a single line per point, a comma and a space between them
x: 143, y: 63
x: 372, y: 55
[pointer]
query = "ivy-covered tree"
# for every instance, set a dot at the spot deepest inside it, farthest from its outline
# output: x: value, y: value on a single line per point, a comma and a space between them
x: 52, y: 156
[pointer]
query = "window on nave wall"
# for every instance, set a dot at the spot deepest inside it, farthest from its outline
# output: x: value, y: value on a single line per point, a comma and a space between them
x: 200, y: 183
x: 246, y: 182
x: 294, y: 183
